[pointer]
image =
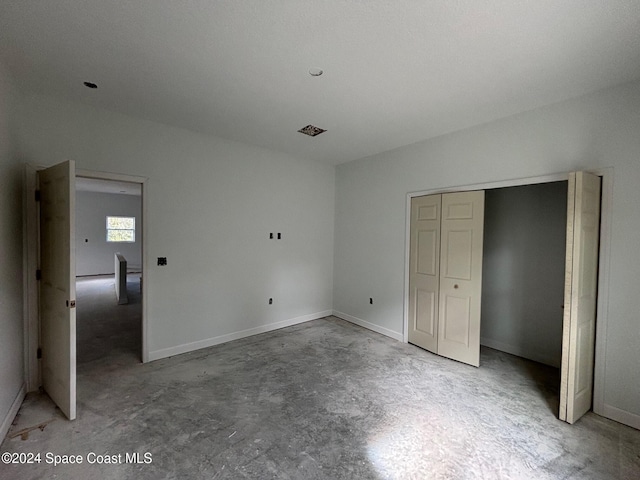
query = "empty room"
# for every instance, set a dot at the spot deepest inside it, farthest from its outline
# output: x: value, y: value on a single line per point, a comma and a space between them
x: 381, y: 240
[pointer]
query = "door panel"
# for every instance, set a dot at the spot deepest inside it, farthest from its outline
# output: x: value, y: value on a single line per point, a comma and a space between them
x: 424, y: 259
x: 426, y: 313
x: 57, y: 288
x: 459, y: 253
x: 427, y: 253
x: 456, y: 311
x: 581, y: 274
x: 461, y: 276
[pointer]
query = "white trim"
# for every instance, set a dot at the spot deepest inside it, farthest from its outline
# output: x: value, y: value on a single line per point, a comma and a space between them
x: 621, y: 416
x: 520, y: 352
x: 144, y: 284
x: 117, y: 177
x: 407, y: 259
x: 514, y: 182
x: 13, y: 411
x: 210, y: 342
x: 368, y: 325
x: 30, y: 227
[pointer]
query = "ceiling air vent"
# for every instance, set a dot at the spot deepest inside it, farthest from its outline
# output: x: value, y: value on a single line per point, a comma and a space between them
x: 311, y: 130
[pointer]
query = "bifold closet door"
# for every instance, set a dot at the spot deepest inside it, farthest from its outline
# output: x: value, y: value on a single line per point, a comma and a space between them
x: 580, y: 296
x: 462, y: 236
x: 424, y: 271
x: 445, y: 276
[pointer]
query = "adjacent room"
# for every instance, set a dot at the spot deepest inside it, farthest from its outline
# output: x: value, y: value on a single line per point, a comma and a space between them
x: 211, y: 258
x: 108, y: 268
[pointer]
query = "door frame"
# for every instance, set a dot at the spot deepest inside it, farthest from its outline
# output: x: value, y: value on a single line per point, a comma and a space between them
x: 604, y: 260
x: 31, y: 260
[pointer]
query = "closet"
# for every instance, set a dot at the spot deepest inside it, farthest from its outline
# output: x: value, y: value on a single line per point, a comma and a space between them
x: 445, y: 282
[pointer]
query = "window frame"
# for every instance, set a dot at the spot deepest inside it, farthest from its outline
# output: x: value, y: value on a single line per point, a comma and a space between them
x: 109, y: 229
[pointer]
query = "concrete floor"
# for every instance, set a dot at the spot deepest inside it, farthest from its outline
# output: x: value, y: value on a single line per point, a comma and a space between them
x: 320, y: 400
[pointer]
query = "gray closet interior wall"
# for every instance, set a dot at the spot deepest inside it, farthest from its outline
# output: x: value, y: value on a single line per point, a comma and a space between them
x: 523, y: 270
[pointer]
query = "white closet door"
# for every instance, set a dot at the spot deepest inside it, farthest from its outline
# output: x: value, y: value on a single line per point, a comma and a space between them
x: 424, y: 272
x: 462, y: 230
x: 58, y: 287
x: 581, y: 284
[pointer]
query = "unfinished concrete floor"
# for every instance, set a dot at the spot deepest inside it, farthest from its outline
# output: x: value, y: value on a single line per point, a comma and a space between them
x: 320, y: 400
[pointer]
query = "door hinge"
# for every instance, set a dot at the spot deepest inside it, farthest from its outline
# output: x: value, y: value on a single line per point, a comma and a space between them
x: 39, y: 353
x: 71, y: 303
x: 38, y: 274
x: 37, y: 195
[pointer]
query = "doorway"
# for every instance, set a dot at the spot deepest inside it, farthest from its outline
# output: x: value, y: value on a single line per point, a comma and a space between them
x: 523, y: 281
x: 32, y: 249
x: 108, y: 223
x: 523, y: 271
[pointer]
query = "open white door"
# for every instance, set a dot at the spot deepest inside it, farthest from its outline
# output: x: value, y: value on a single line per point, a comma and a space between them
x: 461, y: 276
x: 580, y: 297
x: 58, y: 287
x: 424, y: 271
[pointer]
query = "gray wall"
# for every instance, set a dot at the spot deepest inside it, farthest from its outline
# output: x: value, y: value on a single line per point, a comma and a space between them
x: 11, y: 330
x: 209, y: 207
x: 95, y: 256
x: 593, y: 131
x: 523, y: 270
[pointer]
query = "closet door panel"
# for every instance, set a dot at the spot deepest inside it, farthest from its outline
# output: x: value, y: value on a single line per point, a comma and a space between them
x: 581, y: 294
x: 424, y: 271
x: 460, y: 283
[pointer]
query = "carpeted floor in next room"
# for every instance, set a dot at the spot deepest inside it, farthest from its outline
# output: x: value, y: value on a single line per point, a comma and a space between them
x: 320, y: 400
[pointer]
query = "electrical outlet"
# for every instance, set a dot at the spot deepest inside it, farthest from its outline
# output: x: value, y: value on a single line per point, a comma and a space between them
x: 162, y: 261
x: 271, y: 301
x: 371, y: 301
x: 279, y: 236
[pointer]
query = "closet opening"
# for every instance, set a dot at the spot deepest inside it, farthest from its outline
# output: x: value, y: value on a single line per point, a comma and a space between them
x: 523, y: 277
x: 542, y: 285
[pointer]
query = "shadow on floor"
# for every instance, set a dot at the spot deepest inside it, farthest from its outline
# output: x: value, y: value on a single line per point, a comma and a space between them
x: 537, y: 378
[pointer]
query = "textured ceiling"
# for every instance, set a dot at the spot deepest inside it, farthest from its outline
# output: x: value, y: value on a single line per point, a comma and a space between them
x: 396, y: 72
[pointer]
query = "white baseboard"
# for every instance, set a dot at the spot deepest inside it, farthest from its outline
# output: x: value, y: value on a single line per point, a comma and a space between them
x: 515, y: 350
x: 620, y: 416
x: 210, y: 342
x: 13, y: 411
x: 369, y: 325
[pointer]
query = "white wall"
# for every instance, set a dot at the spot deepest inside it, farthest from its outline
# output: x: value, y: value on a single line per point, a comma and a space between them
x: 209, y: 206
x: 594, y: 131
x: 523, y: 270
x: 94, y: 255
x: 11, y: 331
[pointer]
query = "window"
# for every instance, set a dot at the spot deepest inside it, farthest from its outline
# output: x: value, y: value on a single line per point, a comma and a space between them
x: 121, y: 229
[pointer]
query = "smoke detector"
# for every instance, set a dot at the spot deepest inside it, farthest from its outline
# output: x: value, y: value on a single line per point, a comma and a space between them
x: 311, y: 130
